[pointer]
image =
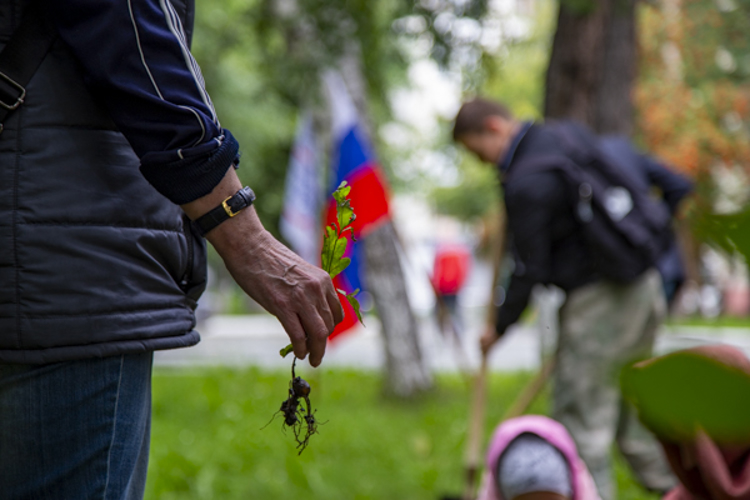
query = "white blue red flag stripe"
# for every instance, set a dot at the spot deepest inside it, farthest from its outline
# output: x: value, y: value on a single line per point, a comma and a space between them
x: 300, y: 218
x: 354, y: 162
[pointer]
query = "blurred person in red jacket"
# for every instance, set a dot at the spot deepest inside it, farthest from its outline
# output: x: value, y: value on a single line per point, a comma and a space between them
x: 450, y: 269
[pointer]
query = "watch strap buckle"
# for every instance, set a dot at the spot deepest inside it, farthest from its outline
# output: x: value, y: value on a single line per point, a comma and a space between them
x: 228, y: 209
x: 239, y: 201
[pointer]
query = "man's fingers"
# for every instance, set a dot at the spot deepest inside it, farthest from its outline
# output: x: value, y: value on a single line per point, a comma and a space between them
x: 327, y: 315
x: 296, y: 332
x: 332, y: 297
x: 321, y: 290
x: 317, y: 335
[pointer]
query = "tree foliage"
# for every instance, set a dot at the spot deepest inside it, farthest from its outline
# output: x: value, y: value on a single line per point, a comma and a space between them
x: 261, y: 61
x: 693, y: 95
x: 693, y: 101
x: 261, y: 68
x: 514, y: 75
x: 474, y: 196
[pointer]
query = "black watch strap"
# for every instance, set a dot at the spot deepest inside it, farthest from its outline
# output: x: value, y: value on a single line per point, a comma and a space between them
x: 228, y: 209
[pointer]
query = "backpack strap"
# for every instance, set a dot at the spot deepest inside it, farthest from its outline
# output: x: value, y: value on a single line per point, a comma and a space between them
x: 22, y: 56
x: 543, y: 163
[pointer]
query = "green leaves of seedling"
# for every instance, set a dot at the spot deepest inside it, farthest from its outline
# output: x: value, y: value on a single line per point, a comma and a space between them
x: 341, y: 193
x: 355, y: 303
x: 339, y: 265
x: 334, y: 248
x: 344, y: 212
x: 335, y: 243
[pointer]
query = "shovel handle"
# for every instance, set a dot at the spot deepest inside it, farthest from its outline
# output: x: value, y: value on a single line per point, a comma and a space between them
x: 473, y: 457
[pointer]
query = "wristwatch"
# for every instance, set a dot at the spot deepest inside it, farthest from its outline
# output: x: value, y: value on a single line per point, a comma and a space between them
x: 228, y: 209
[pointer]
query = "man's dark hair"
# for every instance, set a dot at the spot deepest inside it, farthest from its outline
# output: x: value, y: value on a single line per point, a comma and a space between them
x: 471, y: 116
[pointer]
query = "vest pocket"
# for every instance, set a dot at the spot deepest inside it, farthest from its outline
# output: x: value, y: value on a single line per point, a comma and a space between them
x: 195, y: 274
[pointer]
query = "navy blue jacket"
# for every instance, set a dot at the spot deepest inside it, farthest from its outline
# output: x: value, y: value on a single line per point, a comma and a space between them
x: 673, y: 187
x: 135, y: 58
x: 96, y: 258
x: 548, y: 241
x: 647, y: 170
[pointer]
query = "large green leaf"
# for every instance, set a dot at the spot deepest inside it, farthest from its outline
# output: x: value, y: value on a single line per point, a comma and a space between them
x: 730, y: 232
x: 682, y: 392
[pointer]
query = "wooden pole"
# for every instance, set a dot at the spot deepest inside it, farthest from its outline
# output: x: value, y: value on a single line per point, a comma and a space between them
x: 520, y: 404
x: 531, y: 391
x: 473, y: 457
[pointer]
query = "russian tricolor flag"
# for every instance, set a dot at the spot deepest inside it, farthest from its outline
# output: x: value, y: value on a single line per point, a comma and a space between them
x: 353, y: 162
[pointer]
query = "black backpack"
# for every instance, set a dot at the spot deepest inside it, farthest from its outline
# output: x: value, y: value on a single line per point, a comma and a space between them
x: 624, y: 227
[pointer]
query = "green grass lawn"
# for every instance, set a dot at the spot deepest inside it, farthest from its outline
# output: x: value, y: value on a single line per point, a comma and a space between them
x: 207, y: 441
x: 717, y: 322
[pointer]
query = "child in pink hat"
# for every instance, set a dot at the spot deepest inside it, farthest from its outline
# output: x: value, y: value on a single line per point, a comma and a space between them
x: 533, y: 457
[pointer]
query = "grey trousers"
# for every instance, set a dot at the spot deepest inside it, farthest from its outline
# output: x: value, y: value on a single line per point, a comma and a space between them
x: 604, y: 326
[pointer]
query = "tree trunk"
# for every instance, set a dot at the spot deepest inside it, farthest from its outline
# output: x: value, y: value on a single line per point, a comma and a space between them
x: 592, y: 65
x: 406, y: 373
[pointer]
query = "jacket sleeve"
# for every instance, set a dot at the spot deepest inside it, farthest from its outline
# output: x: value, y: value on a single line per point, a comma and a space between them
x: 647, y: 170
x: 674, y: 187
x: 136, y: 60
x: 530, y: 201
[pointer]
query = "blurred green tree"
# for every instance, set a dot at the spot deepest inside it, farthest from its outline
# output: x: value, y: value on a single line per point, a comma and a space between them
x: 514, y: 74
x: 693, y: 107
x: 693, y: 94
x: 261, y: 60
x: 473, y: 198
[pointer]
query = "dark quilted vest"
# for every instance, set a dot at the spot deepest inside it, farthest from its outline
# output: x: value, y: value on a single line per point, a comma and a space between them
x: 93, y: 260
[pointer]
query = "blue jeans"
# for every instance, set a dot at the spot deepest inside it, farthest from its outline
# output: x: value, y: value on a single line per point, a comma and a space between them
x: 75, y: 430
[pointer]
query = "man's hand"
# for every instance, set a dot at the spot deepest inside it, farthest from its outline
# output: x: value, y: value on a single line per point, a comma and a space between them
x: 300, y: 295
x: 488, y: 339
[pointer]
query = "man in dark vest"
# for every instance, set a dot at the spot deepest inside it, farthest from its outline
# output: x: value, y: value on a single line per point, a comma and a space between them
x: 115, y: 149
x: 603, y: 324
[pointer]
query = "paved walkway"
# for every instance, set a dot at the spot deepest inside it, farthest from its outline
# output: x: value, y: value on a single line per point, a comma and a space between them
x: 256, y: 340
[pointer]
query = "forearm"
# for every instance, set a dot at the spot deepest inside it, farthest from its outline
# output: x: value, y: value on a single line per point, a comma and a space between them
x: 516, y: 300
x: 237, y: 233
x: 674, y: 186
